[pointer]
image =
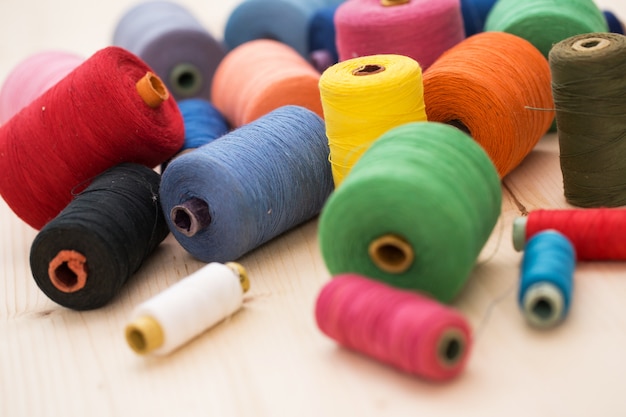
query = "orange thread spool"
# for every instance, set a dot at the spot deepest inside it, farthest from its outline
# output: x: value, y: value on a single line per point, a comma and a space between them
x: 260, y: 76
x: 497, y: 87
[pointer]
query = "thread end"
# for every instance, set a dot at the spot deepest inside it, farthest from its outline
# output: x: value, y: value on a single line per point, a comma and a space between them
x: 543, y: 305
x: 519, y: 233
x: 144, y: 335
x: 451, y: 348
x: 152, y: 90
x: 391, y: 253
x: 68, y: 271
x: 242, y: 273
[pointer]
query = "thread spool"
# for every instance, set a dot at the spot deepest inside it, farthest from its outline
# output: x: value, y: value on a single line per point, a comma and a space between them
x: 203, y: 123
x: 597, y: 234
x: 496, y: 87
x: 74, y: 131
x: 83, y: 257
x: 546, y: 280
x: 170, y: 39
x: 362, y: 98
x: 475, y: 14
x: 403, y: 329
x: 260, y: 76
x: 322, y: 34
x: 590, y: 101
x: 285, y: 21
x: 414, y: 212
x: 545, y: 23
x: 193, y: 305
x: 32, y: 77
x: 419, y: 29
x: 614, y: 23
x: 228, y: 197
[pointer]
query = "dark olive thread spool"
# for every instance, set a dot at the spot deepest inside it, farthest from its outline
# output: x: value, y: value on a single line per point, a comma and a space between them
x: 589, y: 89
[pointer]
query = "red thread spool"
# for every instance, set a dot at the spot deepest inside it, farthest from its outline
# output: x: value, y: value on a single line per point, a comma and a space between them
x: 404, y: 329
x: 596, y: 234
x: 108, y: 110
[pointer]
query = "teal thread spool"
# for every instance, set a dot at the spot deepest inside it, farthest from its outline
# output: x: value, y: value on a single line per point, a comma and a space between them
x: 544, y: 23
x: 415, y: 210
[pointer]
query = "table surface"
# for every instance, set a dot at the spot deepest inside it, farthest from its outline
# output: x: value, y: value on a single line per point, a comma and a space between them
x: 270, y: 359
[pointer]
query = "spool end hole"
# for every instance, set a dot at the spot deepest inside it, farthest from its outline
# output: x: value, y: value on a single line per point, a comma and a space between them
x: 65, y: 276
x: 460, y: 125
x: 542, y: 308
x: 136, y: 340
x: 368, y: 69
x: 391, y: 253
x: 186, y: 80
x: 451, y: 347
x: 191, y: 216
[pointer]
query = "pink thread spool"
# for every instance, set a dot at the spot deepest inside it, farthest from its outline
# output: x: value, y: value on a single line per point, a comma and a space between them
x: 404, y: 329
x: 420, y: 29
x: 32, y: 77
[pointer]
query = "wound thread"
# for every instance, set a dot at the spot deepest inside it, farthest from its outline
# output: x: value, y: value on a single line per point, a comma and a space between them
x: 590, y: 100
x: 70, y: 130
x: 403, y: 329
x: 83, y: 257
x: 491, y: 85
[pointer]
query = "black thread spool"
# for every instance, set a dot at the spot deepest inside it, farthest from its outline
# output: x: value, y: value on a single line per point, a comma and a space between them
x: 85, y: 255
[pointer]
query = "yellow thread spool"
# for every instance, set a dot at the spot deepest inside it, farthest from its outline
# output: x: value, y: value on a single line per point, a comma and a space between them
x: 363, y: 98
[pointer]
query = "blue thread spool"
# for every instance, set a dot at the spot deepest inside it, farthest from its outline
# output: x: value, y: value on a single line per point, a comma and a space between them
x: 546, y: 281
x: 615, y: 25
x: 475, y: 14
x: 174, y: 44
x: 286, y: 21
x: 203, y: 122
x: 228, y: 197
x: 322, y: 44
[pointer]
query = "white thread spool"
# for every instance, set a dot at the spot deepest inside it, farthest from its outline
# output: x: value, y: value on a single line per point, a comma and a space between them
x: 170, y: 319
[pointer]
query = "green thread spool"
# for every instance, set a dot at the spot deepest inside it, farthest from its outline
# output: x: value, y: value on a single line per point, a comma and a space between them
x: 544, y: 23
x: 415, y: 210
x: 589, y: 89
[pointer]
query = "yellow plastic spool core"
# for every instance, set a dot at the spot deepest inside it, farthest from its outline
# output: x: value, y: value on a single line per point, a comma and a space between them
x: 152, y: 90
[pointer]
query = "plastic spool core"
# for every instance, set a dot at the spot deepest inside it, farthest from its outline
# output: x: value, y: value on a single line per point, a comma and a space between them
x: 369, y: 69
x: 241, y: 272
x: 152, y: 90
x: 68, y: 271
x: 590, y: 44
x: 451, y: 347
x: 393, y: 2
x: 391, y: 253
x: 543, y: 305
x: 144, y: 335
x: 186, y: 79
x: 519, y: 233
x: 191, y: 216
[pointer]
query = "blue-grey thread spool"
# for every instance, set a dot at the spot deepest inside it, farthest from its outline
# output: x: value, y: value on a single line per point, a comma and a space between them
x: 286, y: 21
x: 546, y: 281
x: 174, y: 43
x: 228, y: 197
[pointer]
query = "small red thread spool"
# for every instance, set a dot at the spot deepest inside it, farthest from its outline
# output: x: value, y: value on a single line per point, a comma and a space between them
x: 404, y: 329
x: 108, y: 110
x: 596, y: 234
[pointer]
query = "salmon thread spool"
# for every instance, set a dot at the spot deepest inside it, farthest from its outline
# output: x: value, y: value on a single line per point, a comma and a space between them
x: 364, y: 97
x: 406, y: 330
x: 260, y: 76
x: 67, y: 130
x: 170, y: 319
x: 496, y: 87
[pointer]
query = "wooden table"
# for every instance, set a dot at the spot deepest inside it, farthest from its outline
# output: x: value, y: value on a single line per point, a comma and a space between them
x: 270, y: 359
